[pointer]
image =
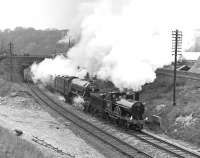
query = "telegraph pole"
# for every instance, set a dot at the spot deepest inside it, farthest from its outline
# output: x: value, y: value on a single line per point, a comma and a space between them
x: 11, y: 62
x: 69, y: 44
x: 176, y: 47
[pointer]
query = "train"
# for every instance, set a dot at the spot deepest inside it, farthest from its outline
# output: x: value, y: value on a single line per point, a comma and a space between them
x: 125, y: 109
x: 27, y: 75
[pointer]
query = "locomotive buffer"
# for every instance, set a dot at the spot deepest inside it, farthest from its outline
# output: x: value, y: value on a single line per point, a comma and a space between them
x: 176, y: 48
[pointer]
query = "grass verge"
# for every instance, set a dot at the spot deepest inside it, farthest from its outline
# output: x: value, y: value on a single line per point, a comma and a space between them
x: 12, y: 146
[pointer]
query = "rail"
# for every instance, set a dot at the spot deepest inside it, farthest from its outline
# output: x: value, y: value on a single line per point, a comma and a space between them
x: 161, y: 144
x: 119, y: 145
x: 165, y: 145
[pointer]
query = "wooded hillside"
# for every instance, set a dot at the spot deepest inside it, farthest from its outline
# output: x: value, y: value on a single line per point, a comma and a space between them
x: 33, y: 42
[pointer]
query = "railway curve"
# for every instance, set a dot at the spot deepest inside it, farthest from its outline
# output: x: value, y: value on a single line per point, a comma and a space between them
x: 104, y: 132
x: 126, y: 149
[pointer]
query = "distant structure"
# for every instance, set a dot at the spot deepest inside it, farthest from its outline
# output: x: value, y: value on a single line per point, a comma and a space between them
x: 196, y: 67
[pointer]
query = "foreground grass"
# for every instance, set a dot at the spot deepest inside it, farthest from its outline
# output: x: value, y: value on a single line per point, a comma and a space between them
x: 12, y: 146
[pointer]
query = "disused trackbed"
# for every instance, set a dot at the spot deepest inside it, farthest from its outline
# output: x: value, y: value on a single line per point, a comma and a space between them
x: 120, y: 146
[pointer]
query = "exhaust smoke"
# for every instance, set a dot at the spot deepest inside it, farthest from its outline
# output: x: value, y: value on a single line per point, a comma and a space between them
x: 124, y: 42
x: 78, y: 102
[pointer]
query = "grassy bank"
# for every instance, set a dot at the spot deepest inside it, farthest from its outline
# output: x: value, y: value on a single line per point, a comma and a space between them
x: 181, y: 121
x: 12, y: 146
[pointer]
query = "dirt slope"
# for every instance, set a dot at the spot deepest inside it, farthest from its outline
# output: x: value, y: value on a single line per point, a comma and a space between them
x: 18, y: 110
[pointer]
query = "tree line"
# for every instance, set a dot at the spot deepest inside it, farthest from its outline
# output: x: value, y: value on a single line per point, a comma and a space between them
x: 29, y: 41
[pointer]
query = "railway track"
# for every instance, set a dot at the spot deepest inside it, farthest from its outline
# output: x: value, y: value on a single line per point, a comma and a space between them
x: 165, y: 145
x: 126, y: 149
x: 127, y: 140
x: 172, y: 149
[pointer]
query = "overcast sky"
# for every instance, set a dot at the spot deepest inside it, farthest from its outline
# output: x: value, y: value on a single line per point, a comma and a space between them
x: 40, y: 14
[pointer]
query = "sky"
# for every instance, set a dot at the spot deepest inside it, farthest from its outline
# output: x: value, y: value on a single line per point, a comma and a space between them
x: 40, y: 14
x: 61, y: 14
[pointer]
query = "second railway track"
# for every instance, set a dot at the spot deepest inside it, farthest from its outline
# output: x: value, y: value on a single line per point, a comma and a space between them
x: 119, y: 145
x: 165, y: 145
x: 172, y: 149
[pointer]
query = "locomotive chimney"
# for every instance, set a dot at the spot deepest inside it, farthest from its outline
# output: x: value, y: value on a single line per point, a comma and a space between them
x: 137, y: 96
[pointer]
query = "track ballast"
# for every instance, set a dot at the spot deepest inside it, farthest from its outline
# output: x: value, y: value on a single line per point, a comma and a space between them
x: 103, y: 133
x: 119, y: 145
x: 165, y: 145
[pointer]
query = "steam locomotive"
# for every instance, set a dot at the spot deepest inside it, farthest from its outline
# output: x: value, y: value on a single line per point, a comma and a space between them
x: 120, y: 107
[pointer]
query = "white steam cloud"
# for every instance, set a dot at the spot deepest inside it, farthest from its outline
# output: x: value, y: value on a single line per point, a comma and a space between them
x: 125, y: 42
x: 49, y: 68
x: 78, y: 102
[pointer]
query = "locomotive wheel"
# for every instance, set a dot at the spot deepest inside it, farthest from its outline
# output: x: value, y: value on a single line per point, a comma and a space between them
x: 86, y: 107
x: 92, y: 111
x: 127, y: 125
x: 121, y: 123
x: 103, y: 115
x: 139, y: 127
x: 107, y: 117
x: 99, y: 114
x: 111, y: 120
x: 66, y: 99
x: 89, y: 109
x: 117, y: 121
x: 136, y: 127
